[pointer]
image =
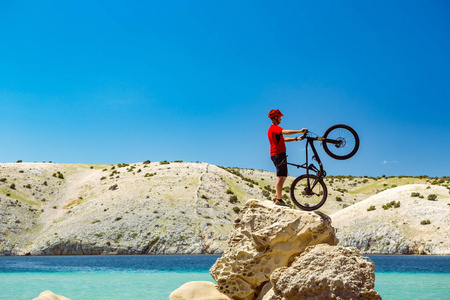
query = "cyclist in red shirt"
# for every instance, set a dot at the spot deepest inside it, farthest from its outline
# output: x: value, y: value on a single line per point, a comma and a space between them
x: 278, y: 150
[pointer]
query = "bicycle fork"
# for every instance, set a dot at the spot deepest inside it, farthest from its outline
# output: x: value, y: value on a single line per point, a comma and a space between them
x: 320, y: 173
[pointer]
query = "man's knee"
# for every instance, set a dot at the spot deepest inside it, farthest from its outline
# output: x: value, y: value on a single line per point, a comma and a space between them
x: 281, y: 179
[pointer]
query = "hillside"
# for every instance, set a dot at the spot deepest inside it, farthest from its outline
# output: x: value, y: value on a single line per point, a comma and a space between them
x: 158, y: 207
x: 404, y: 220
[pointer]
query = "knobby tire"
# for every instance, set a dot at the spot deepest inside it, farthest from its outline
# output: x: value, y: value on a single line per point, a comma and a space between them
x: 308, y: 202
x: 343, y: 133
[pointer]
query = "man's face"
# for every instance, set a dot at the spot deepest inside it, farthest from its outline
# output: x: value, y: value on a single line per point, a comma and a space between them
x: 278, y: 119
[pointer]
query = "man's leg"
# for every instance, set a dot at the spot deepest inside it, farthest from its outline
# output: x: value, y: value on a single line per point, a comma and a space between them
x: 279, y: 186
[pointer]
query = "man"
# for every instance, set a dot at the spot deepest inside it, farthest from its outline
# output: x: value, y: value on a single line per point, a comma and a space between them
x: 278, y: 150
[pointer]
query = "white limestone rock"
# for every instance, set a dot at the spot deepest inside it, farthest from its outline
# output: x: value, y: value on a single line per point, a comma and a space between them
x: 48, y: 295
x: 326, y: 272
x: 198, y: 290
x: 266, y: 237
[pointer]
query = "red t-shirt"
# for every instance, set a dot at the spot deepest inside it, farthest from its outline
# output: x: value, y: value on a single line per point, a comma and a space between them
x: 276, y: 140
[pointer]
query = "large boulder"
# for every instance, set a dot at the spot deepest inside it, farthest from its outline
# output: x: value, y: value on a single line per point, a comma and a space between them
x: 264, y: 238
x: 198, y: 290
x: 325, y: 272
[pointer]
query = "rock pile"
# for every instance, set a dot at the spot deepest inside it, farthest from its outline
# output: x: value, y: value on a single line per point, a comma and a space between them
x: 278, y: 253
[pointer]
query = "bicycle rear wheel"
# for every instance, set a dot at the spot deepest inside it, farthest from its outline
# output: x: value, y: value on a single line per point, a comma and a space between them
x: 341, y: 141
x: 308, y: 198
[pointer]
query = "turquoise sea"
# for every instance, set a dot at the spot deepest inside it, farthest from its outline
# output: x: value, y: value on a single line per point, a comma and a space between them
x: 155, y: 277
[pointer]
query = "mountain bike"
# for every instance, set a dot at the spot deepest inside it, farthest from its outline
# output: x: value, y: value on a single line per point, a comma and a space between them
x: 308, y: 191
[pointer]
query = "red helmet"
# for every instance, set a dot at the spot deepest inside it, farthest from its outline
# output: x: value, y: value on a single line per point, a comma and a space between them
x: 275, y: 112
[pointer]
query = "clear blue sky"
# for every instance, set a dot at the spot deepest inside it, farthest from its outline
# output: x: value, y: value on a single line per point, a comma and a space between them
x: 126, y: 81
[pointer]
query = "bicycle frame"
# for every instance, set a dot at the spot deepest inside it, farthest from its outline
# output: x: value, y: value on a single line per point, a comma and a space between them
x: 309, y: 191
x: 320, y: 173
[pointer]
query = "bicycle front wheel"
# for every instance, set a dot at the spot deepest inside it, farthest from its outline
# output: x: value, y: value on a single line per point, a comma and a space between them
x: 308, y: 196
x: 341, y: 142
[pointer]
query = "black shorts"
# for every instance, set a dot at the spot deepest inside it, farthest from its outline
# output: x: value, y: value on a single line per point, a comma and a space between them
x: 279, y: 161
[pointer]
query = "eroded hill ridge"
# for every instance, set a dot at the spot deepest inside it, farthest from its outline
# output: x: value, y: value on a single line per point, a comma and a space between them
x: 180, y: 207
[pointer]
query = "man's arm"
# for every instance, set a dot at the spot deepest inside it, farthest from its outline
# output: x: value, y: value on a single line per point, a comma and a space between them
x: 288, y: 132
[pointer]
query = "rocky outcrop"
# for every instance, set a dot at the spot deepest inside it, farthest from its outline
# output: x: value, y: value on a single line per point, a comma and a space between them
x: 277, y: 253
x: 325, y: 272
x: 266, y: 237
x: 198, y: 290
x: 48, y: 295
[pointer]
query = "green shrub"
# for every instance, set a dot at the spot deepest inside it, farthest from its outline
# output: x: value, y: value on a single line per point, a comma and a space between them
x: 233, y: 199
x: 164, y: 162
x: 236, y: 209
x: 371, y: 208
x: 339, y: 199
x: 425, y: 222
x: 391, y: 204
x: 12, y: 186
x: 432, y: 197
x: 103, y: 178
x: 2, y: 179
x: 415, y: 194
x: 114, y: 187
x: 58, y: 175
x: 230, y: 192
